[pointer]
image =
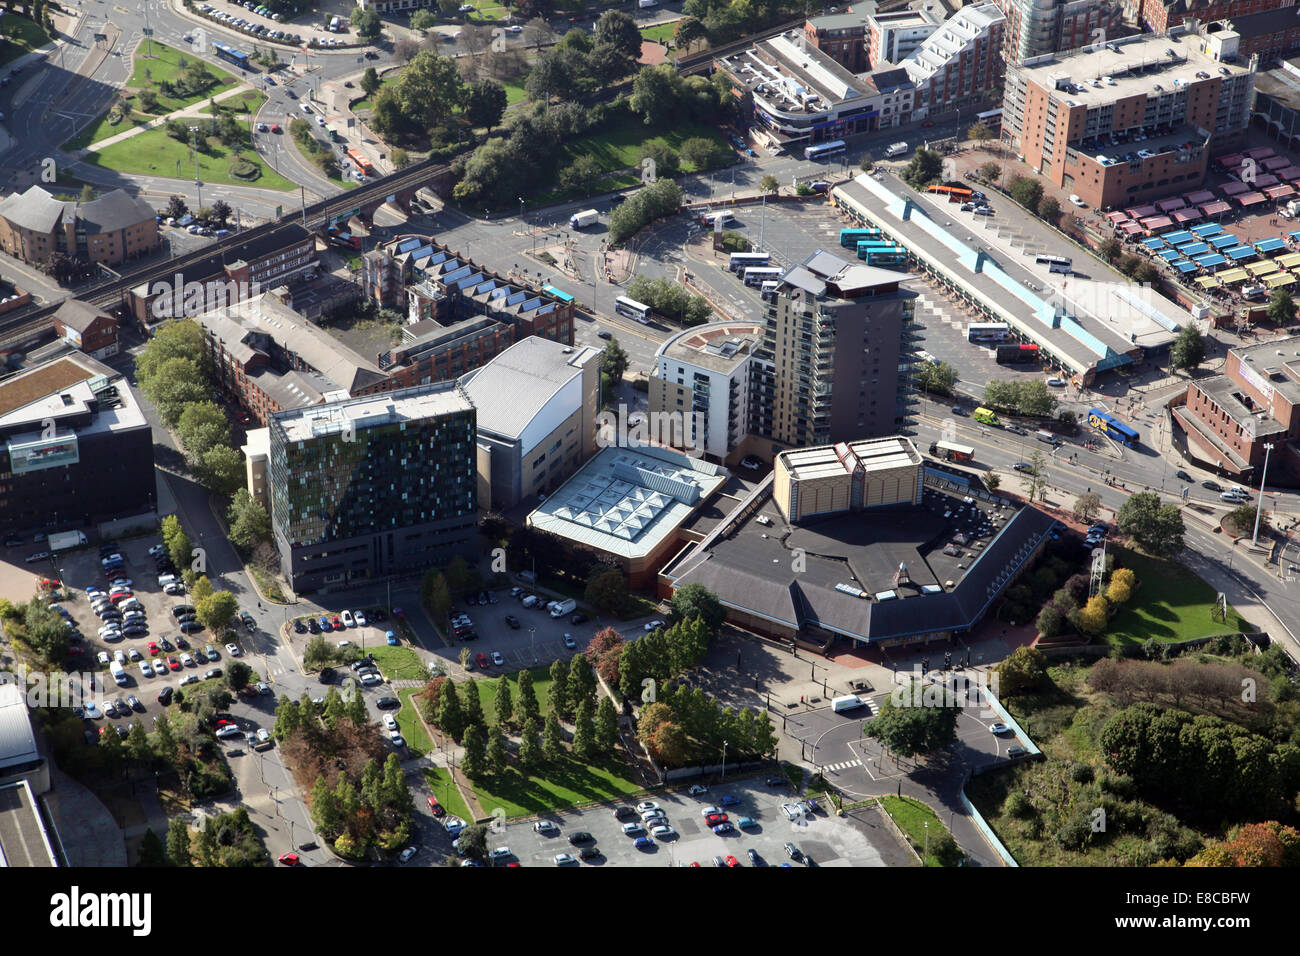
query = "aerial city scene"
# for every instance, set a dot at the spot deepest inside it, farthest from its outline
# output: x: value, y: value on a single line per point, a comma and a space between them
x: 638, y: 433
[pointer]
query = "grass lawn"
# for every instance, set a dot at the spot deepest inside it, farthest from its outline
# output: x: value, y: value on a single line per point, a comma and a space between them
x: 103, y: 129
x: 417, y: 741
x: 439, y: 781
x: 367, y: 102
x: 250, y: 101
x: 911, y: 817
x: 154, y: 153
x: 1170, y: 604
x: 487, y: 692
x: 165, y: 65
x: 556, y: 786
x: 660, y: 31
x: 23, y: 35
x: 515, y: 92
x: 618, y: 145
x: 399, y: 663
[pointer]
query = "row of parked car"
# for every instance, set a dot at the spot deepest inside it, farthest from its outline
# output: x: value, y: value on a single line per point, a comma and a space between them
x: 251, y: 27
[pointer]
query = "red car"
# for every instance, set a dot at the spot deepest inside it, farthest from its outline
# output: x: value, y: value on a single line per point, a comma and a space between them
x: 337, y: 622
x: 225, y: 723
x: 732, y: 861
x: 482, y: 661
x: 435, y: 807
x: 713, y: 819
x: 173, y: 663
x: 290, y: 859
x: 153, y: 648
x: 275, y: 127
x: 49, y: 584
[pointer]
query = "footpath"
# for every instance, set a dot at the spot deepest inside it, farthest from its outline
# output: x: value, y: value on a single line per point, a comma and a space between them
x: 194, y: 109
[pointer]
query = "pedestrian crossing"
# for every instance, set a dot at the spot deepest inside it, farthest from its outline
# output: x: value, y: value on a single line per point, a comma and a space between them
x: 842, y: 765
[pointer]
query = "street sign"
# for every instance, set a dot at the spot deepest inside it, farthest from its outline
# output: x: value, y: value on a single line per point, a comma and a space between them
x: 146, y: 31
x: 279, y: 211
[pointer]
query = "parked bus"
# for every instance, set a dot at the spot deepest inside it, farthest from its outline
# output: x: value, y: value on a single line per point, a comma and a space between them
x: 231, y: 55
x: 951, y: 451
x: 991, y: 118
x: 851, y: 237
x: 954, y: 193
x: 1108, y: 424
x: 359, y: 160
x: 632, y: 309
x: 885, y: 257
x: 759, y: 275
x: 1056, y: 264
x: 985, y: 416
x: 822, y: 150
x: 740, y: 261
x: 1016, y: 354
x: 987, y: 331
x: 768, y: 290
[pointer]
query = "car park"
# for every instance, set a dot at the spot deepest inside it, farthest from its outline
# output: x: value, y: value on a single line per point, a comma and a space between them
x: 212, y: 673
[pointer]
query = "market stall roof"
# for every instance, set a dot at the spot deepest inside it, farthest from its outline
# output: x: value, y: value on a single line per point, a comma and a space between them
x: 1216, y: 208
x: 1212, y: 261
x: 1206, y: 229
x: 1270, y: 245
x: 1156, y: 223
x: 1279, y: 281
x: 1186, y: 215
x: 1199, y: 196
x: 1231, y: 189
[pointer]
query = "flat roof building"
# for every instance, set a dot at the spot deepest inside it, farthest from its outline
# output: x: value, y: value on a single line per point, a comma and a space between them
x: 536, y: 407
x: 1134, y: 120
x: 1039, y: 27
x: 20, y: 758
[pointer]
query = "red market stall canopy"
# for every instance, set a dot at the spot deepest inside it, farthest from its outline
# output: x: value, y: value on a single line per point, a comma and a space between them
x: 1204, y: 195
x: 1131, y: 228
x: 1249, y: 199
x: 1169, y: 205
x: 1277, y: 192
x: 1260, y: 152
x: 1216, y: 208
x: 1231, y: 189
x: 1141, y: 212
x: 1276, y: 162
x: 1185, y: 215
x: 1157, y: 223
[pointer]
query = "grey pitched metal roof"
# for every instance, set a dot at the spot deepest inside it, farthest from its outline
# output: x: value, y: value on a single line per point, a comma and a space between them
x: 34, y: 209
x: 113, y: 211
x: 79, y: 315
x: 514, y: 386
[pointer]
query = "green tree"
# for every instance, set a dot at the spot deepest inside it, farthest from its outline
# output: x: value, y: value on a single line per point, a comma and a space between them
x: 451, y: 719
x: 138, y: 747
x: 1189, y: 348
x: 472, y: 706
x: 654, y: 93
x: 1110, y: 249
x: 560, y: 701
x: 979, y: 132
x: 689, y: 31
x: 367, y: 23
x: 1025, y: 670
x: 178, y: 383
x: 1026, y: 191
x: 936, y: 377
x: 1035, y: 480
x: 357, y: 713
x: 1087, y: 506
x: 473, y: 761
x: 1281, y: 308
x: 526, y: 707
x: 914, y: 729
x: 151, y: 852
x: 925, y: 167
x: 112, y: 749
x: 429, y: 90
x: 607, y: 592
x: 221, y: 470
x: 552, y: 738
x: 178, y: 842
x: 581, y: 683
x: 485, y: 103
x: 606, y: 727
x: 1034, y: 398
x: 695, y: 600
x: 216, y: 611
x: 1147, y: 274
x: 288, y: 717
x: 237, y: 674
x: 1049, y: 210
x: 613, y: 360
x: 550, y: 77
x: 991, y: 171
x: 250, y: 525
x: 1157, y: 528
x: 423, y: 20
x: 370, y: 81
x: 325, y: 811
x: 437, y: 596
x: 495, y: 757
x: 579, y: 175
x: 584, y: 733
x: 1243, y: 517
x: 619, y: 30
x: 530, y: 752
x: 769, y: 185
x: 503, y: 706
x: 1050, y: 621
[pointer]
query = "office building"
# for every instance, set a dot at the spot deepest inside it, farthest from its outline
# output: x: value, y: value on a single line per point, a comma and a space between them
x: 1039, y: 27
x: 75, y: 449
x: 833, y: 365
x: 1133, y: 121
x: 374, y: 487
x: 1160, y: 15
x: 20, y: 758
x: 700, y: 389
x: 893, y: 37
x: 960, y: 63
x: 842, y: 37
x: 536, y: 406
x: 112, y: 229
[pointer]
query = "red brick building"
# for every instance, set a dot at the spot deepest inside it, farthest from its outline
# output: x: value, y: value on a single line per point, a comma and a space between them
x: 87, y: 328
x: 1160, y: 15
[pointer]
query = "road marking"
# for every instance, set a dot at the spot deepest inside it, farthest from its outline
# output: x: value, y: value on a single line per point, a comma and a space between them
x: 843, y: 765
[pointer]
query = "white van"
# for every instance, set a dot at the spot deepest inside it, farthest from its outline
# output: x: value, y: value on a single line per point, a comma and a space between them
x: 1048, y: 437
x: 847, y: 702
x: 118, y: 672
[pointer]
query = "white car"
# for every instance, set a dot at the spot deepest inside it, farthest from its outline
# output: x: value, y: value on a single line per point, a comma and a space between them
x: 652, y: 625
x: 233, y: 650
x: 348, y: 619
x: 103, y: 658
x: 1076, y: 201
x: 792, y: 811
x: 999, y: 728
x: 663, y: 832
x: 409, y: 852
x: 390, y: 722
x: 500, y: 853
x: 370, y: 680
x: 514, y: 28
x: 646, y: 806
x: 360, y: 618
x: 397, y: 740
x: 187, y: 660
x: 710, y: 811
x: 545, y: 826
x: 453, y: 825
x: 696, y: 789
x: 564, y: 859
x: 497, y: 659
x: 146, y: 668
x: 1056, y: 382
x: 189, y: 679
x: 229, y: 732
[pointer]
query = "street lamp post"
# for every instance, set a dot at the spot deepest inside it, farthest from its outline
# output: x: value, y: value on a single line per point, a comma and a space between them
x: 1259, y: 505
x: 724, y: 760
x: 194, y: 131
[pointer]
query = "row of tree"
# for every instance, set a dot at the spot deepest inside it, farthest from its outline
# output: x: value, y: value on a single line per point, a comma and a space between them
x: 223, y: 840
x: 668, y: 298
x: 686, y: 726
x: 174, y: 373
x: 36, y: 627
x: 214, y: 609
x: 1023, y: 397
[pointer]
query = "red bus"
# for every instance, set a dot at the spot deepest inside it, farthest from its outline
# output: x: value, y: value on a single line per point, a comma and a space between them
x: 1015, y: 354
x: 359, y: 160
x: 954, y: 193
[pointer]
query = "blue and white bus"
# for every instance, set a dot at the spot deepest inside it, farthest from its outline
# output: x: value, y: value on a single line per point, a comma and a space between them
x: 632, y: 309
x: 740, y: 261
x: 822, y: 150
x: 1108, y: 424
x: 759, y: 275
x: 231, y: 55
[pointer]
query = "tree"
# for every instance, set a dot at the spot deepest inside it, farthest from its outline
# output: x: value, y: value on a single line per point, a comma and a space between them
x: 662, y: 155
x: 1110, y: 249
x: 151, y: 852
x: 503, y: 707
x: 617, y: 29
x: 138, y: 747
x: 471, y: 705
x: 176, y: 207
x: 584, y: 733
x: 202, y: 426
x: 221, y: 211
x: 552, y: 738
x: 1147, y: 274
x: 700, y: 152
x: 1087, y: 506
x: 526, y: 707
x: 495, y: 758
x: 606, y: 726
x: 178, y: 843
x: 485, y: 103
x: 936, y: 377
x: 769, y: 184
x: 537, y: 32
x: 404, y: 50
x: 216, y: 612
x: 580, y: 174
x: 1050, y: 621
x: 238, y: 673
x: 695, y: 600
x: 991, y: 171
x: 1157, y: 528
x: 993, y: 480
x: 1095, y: 614
x: 250, y: 525
x: 613, y: 360
x: 1189, y: 348
x: 550, y: 77
x: 925, y: 167
x: 689, y: 32
x: 367, y: 23
x: 912, y: 729
x: 370, y: 81
x: 1026, y: 191
x: 1049, y: 210
x: 530, y: 753
x: 473, y: 761
x: 654, y: 93
x: 451, y: 720
x: 1035, y: 479
x: 429, y: 90
x: 979, y: 132
x: 1118, y: 592
x: 423, y: 20
x: 1025, y: 670
x: 178, y: 383
x: 1281, y: 308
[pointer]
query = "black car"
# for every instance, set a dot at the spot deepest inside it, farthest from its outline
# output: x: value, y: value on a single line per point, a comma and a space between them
x: 578, y: 618
x: 165, y: 696
x: 588, y: 853
x: 191, y: 627
x: 182, y: 643
x: 582, y: 836
x: 622, y: 813
x: 1212, y: 485
x: 182, y: 609
x: 1016, y: 430
x: 212, y: 673
x: 958, y: 410
x: 777, y: 781
x: 512, y: 621
x: 308, y: 847
x: 299, y: 627
x: 326, y: 675
x: 312, y: 626
x: 1023, y: 466
x: 388, y: 703
x: 13, y: 542
x: 166, y: 645
x: 1183, y: 475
